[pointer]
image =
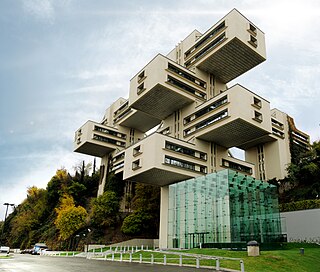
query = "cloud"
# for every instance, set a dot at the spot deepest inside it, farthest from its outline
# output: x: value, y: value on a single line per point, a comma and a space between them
x: 41, y: 10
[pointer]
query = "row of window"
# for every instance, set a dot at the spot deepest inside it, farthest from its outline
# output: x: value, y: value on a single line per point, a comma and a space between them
x: 110, y: 132
x: 118, y: 157
x: 276, y: 123
x: 108, y: 140
x: 203, y: 40
x: 207, y: 122
x: 277, y: 132
x: 123, y: 114
x: 207, y: 49
x: 186, y: 151
x: 185, y: 87
x: 186, y: 75
x: 185, y: 164
x: 121, y: 108
x: 118, y: 166
x: 236, y: 166
x: 300, y: 136
x: 205, y: 110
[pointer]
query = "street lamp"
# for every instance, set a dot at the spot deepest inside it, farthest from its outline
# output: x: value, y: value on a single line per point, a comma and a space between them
x: 5, y: 217
x: 7, y: 204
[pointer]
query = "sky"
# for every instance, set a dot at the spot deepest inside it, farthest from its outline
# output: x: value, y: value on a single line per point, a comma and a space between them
x: 63, y: 62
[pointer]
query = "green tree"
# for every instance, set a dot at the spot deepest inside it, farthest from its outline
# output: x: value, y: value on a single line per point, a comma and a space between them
x: 136, y: 223
x: 303, y: 180
x: 105, y: 209
x: 146, y: 216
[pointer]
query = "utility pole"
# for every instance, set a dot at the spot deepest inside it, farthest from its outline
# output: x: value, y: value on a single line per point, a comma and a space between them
x: 5, y: 217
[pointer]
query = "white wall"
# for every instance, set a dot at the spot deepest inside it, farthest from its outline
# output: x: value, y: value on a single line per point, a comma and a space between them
x: 302, y: 225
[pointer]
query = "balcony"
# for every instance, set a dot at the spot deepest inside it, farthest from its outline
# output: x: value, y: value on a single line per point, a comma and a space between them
x: 228, y: 49
x: 231, y: 119
x: 98, y: 140
x: 164, y: 87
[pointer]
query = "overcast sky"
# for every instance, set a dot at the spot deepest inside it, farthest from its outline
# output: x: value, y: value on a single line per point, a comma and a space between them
x: 65, y: 61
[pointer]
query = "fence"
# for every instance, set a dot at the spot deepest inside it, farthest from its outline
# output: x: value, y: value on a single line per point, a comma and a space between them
x: 165, y: 258
x: 133, y: 254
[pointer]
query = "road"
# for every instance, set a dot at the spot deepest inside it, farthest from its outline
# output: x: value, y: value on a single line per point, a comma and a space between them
x: 30, y: 263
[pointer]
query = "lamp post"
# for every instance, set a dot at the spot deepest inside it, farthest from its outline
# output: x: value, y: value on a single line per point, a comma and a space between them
x: 5, y: 217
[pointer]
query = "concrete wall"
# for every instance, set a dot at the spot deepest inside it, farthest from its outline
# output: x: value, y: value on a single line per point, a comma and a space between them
x: 302, y: 225
x: 150, y: 243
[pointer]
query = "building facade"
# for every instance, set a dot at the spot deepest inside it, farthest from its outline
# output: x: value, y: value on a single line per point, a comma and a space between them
x: 195, y: 117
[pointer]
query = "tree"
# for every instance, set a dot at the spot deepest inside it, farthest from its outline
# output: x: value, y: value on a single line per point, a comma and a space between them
x: 69, y: 217
x: 27, y: 218
x: 146, y: 216
x: 136, y: 223
x: 104, y: 209
x: 303, y: 180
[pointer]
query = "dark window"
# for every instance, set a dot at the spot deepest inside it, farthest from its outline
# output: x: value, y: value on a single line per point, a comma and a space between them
x: 185, y: 87
x: 212, y: 119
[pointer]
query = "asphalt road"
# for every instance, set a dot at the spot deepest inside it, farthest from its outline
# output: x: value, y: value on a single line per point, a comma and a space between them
x: 30, y: 263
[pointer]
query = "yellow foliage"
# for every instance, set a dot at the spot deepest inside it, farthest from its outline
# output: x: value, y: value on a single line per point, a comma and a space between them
x: 65, y: 202
x: 62, y: 174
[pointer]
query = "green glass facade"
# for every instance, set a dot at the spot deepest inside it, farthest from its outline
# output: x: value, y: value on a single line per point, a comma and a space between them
x: 222, y: 207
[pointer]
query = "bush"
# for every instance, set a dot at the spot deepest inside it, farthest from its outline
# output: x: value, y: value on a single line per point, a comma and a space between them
x: 300, y: 205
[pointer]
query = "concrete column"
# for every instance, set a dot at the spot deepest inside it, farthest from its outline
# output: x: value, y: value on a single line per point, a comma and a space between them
x: 164, y: 206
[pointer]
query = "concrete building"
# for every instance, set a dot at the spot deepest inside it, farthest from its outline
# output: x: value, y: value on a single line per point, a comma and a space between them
x: 195, y: 116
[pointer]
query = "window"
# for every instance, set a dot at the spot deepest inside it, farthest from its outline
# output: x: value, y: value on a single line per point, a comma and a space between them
x: 212, y: 119
x: 185, y: 87
x: 278, y: 133
x: 206, y: 49
x: 257, y: 102
x: 137, y: 150
x: 211, y: 34
x: 253, y: 41
x: 121, y: 108
x: 118, y: 157
x: 136, y: 164
x: 236, y: 166
x: 185, y: 150
x: 185, y: 164
x: 110, y: 132
x: 277, y: 123
x: 253, y: 29
x: 205, y: 110
x: 186, y: 75
x: 257, y: 116
x: 179, y: 163
x: 118, y: 166
x: 140, y: 88
x: 141, y: 76
x: 165, y: 131
x: 108, y: 140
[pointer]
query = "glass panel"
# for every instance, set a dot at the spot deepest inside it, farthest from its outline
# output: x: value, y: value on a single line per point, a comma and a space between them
x: 222, y: 207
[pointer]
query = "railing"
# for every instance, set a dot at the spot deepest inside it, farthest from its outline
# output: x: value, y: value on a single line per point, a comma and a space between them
x: 164, y: 258
x: 140, y: 255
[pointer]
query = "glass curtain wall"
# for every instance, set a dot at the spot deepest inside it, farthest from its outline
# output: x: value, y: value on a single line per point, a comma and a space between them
x: 222, y: 207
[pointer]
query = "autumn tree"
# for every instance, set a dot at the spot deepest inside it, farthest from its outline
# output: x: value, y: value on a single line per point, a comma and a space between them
x: 28, y: 218
x: 69, y: 217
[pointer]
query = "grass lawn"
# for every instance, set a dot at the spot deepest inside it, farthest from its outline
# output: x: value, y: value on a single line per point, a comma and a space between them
x: 285, y: 260
x: 269, y: 261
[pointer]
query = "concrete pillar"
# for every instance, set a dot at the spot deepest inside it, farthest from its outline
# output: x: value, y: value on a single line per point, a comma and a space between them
x: 164, y: 206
